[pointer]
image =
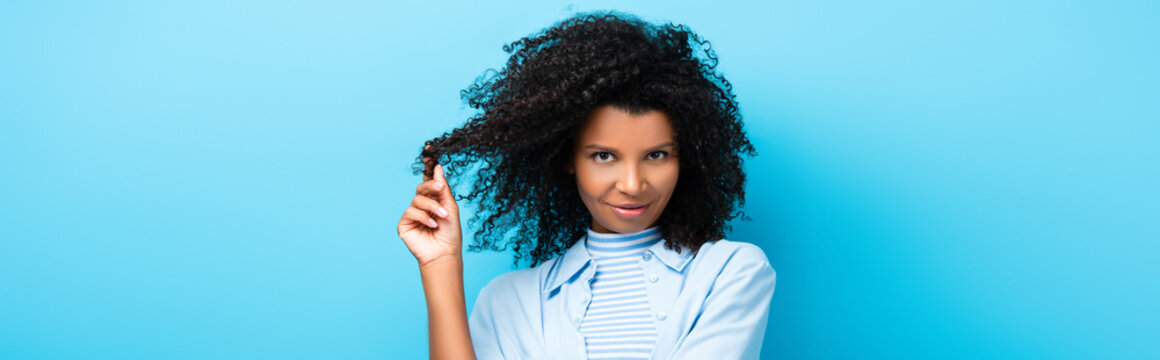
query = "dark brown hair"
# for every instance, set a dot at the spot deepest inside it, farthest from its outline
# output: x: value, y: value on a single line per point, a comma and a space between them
x: 530, y: 111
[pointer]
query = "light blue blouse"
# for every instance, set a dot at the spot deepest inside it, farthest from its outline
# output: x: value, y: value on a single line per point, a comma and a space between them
x: 714, y: 305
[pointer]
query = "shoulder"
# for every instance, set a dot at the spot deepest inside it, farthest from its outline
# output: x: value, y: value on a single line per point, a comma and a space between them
x: 507, y: 316
x: 726, y: 258
x: 727, y: 251
x: 516, y: 283
x: 515, y: 280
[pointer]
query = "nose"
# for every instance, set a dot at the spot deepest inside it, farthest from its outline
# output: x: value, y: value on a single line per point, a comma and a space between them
x: 631, y: 183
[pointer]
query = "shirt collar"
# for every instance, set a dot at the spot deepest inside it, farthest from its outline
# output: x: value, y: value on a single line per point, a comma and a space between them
x: 576, y: 258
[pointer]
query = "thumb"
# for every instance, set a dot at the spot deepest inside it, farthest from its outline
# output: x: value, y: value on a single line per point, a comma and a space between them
x: 445, y: 196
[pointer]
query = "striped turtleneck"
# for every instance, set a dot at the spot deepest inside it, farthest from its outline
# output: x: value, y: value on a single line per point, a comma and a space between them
x: 617, y: 323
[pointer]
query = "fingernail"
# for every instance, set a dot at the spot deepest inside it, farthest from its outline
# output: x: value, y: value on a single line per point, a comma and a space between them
x: 438, y: 186
x: 443, y: 212
x: 432, y: 222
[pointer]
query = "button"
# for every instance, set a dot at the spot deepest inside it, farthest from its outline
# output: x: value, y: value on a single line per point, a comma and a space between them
x: 646, y: 256
x: 585, y: 299
x: 576, y: 320
x: 661, y: 315
x: 653, y: 278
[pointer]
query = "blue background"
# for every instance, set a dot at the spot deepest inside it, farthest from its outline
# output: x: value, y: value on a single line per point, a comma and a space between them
x: 222, y: 179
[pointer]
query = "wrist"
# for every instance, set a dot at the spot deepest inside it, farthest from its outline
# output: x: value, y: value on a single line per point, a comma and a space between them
x: 442, y: 262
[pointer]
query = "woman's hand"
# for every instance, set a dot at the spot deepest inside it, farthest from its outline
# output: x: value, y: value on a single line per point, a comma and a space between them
x: 430, y: 226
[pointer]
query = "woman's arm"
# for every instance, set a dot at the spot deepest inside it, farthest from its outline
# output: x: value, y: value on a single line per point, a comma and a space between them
x: 430, y: 228
x: 446, y: 310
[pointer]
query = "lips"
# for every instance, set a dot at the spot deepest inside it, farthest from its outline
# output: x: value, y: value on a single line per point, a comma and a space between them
x: 629, y: 211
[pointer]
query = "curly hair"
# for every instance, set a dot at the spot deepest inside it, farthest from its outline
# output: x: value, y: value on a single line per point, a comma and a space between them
x: 529, y: 113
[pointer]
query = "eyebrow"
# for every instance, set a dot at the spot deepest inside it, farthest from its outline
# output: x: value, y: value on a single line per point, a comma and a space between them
x: 611, y: 149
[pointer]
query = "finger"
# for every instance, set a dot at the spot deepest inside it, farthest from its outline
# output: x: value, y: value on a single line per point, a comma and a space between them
x: 427, y: 164
x: 441, y: 178
x: 420, y: 216
x: 445, y: 197
x: 430, y: 206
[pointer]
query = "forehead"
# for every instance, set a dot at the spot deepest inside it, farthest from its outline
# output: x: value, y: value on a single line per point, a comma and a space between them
x: 611, y: 126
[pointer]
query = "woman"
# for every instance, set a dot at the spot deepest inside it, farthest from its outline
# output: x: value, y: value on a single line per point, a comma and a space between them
x: 610, y: 162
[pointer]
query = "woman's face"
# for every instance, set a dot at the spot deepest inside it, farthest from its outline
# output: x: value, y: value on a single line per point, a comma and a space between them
x: 626, y: 168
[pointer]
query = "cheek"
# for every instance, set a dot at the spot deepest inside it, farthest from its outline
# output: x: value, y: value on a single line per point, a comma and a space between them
x: 590, y: 184
x: 668, y: 180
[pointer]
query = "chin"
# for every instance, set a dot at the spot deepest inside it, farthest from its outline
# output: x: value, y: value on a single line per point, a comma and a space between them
x: 620, y: 226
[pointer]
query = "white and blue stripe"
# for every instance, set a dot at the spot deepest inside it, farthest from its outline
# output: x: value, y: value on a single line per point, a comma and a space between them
x: 618, y: 324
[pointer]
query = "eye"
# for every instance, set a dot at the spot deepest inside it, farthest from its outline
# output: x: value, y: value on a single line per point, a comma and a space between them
x: 602, y: 157
x: 657, y: 155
